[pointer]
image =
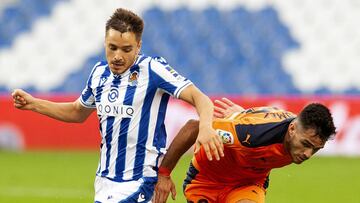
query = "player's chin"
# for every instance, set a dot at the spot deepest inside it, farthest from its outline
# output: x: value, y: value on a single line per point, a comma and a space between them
x: 117, y: 69
x: 297, y: 160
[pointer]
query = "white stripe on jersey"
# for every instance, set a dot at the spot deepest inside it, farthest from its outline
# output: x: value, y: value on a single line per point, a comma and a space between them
x: 130, y: 149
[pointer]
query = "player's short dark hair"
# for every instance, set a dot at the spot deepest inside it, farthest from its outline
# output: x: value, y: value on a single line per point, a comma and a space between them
x: 124, y: 20
x: 318, y: 117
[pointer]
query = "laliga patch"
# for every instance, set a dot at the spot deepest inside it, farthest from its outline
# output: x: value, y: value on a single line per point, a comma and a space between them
x: 174, y: 73
x: 226, y: 137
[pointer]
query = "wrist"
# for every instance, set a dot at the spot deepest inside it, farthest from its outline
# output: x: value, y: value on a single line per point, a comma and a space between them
x: 205, y: 126
x: 164, y: 171
x: 35, y: 105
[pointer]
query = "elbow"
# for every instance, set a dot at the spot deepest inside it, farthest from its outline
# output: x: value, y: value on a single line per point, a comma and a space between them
x: 73, y: 120
x: 81, y: 120
x: 76, y: 119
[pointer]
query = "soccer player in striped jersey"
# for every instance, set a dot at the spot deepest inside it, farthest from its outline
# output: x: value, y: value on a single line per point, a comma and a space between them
x: 130, y: 93
x: 255, y: 141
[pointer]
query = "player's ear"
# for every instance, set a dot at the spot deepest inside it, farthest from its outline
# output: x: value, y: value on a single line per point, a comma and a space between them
x: 292, y: 127
x: 138, y: 47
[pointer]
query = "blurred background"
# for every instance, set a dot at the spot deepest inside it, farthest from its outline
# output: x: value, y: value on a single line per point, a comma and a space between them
x: 255, y: 52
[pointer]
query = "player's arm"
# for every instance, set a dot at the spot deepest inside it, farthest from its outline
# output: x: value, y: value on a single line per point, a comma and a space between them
x: 207, y: 137
x: 185, y: 138
x: 68, y: 112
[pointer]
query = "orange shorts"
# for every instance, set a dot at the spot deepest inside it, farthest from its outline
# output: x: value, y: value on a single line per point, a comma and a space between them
x: 198, y: 189
x: 215, y: 193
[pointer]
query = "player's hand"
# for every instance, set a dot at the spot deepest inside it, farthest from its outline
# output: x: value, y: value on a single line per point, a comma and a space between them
x: 162, y: 189
x: 22, y: 100
x: 211, y: 143
x: 225, y: 107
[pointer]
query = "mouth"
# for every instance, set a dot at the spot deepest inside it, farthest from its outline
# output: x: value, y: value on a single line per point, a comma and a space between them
x: 301, y: 159
x: 118, y: 65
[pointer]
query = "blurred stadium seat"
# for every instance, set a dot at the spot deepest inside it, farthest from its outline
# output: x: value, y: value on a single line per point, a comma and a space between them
x: 51, y: 46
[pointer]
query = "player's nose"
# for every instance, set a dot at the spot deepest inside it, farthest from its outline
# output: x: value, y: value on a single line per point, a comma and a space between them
x: 308, y: 153
x: 119, y: 57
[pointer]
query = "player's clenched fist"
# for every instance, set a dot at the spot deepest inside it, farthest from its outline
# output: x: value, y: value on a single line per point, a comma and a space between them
x: 22, y: 99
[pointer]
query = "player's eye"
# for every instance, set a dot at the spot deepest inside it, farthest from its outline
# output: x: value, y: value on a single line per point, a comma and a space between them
x: 127, y: 50
x: 305, y: 144
x: 112, y: 47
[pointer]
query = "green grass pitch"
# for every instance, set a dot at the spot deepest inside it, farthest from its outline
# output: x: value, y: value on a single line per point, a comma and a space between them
x: 67, y: 177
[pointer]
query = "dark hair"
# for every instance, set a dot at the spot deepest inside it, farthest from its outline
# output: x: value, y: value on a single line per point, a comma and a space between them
x: 318, y: 117
x: 124, y: 20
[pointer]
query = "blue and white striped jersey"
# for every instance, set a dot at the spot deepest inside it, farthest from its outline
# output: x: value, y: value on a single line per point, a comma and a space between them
x: 131, y: 109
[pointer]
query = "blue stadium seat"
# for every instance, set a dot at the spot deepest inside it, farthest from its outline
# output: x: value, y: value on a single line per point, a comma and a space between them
x: 20, y: 16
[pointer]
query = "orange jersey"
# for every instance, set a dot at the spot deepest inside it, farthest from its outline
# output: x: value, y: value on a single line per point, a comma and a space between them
x: 253, y: 145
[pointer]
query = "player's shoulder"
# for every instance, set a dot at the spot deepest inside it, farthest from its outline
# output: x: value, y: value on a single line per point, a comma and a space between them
x: 100, y: 64
x: 155, y: 62
x: 98, y: 67
x: 158, y: 62
x: 268, y: 110
x: 262, y: 134
x: 159, y: 59
x: 262, y: 126
x: 261, y: 115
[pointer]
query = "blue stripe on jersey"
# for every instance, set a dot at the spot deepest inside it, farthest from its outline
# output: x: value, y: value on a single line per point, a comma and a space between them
x: 100, y: 87
x: 124, y: 127
x: 108, y: 138
x: 160, y: 130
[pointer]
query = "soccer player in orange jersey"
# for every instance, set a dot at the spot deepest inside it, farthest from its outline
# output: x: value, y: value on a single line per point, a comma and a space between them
x: 255, y: 140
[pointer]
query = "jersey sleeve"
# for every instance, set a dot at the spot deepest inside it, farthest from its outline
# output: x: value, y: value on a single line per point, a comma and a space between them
x: 87, y: 98
x: 167, y: 78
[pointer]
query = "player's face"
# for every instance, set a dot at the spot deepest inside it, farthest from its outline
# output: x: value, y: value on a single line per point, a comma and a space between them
x: 121, y: 50
x: 301, y: 143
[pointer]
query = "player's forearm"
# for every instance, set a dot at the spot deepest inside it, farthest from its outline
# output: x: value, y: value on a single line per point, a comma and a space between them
x: 182, y: 142
x: 66, y: 111
x: 201, y: 102
x: 204, y: 108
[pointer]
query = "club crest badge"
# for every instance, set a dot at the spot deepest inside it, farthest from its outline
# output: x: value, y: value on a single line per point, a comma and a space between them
x: 133, y: 78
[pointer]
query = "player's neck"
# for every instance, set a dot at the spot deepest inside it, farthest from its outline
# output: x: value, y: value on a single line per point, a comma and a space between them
x: 286, y: 142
